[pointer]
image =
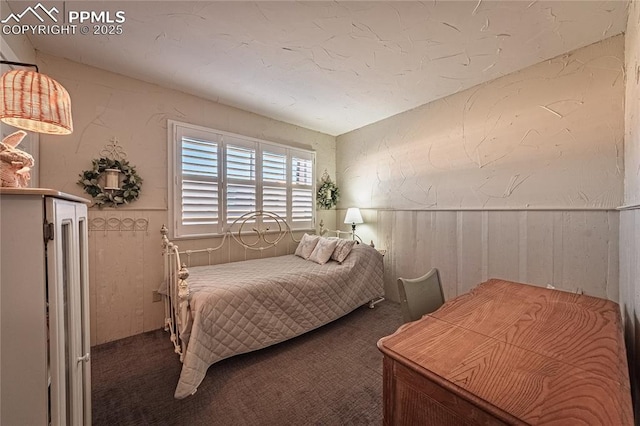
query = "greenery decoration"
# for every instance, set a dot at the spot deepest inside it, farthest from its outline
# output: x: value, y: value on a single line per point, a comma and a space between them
x: 129, y: 187
x: 328, y: 193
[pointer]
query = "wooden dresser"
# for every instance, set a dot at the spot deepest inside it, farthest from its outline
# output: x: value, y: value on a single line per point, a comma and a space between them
x: 509, y: 353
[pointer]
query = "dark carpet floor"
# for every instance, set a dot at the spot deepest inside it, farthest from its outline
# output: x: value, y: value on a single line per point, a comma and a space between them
x: 330, y: 376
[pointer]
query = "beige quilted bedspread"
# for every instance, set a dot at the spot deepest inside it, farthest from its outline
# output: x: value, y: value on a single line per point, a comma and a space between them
x: 243, y: 306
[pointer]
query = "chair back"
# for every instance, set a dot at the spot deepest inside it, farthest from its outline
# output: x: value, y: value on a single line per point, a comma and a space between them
x: 420, y: 296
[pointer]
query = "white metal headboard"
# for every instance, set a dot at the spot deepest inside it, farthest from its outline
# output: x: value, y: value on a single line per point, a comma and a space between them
x: 176, y: 273
x: 337, y: 232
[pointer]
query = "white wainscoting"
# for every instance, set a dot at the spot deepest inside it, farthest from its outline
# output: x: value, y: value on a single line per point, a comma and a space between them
x: 569, y: 249
x: 630, y: 291
x: 125, y: 267
x: 630, y: 266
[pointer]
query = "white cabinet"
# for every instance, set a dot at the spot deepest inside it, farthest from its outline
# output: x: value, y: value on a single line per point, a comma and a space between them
x: 45, y: 365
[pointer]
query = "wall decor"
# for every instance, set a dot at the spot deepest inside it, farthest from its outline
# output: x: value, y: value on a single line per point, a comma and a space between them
x: 15, y: 164
x: 113, y: 180
x: 328, y: 192
x: 129, y: 224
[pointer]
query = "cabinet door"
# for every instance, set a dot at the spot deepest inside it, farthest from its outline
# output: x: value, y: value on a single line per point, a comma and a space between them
x: 68, y: 313
x: 23, y: 312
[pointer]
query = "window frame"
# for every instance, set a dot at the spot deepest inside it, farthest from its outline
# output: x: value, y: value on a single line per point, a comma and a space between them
x: 176, y: 130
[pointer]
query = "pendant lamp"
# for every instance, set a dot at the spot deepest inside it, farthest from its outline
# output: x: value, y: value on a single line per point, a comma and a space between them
x: 33, y: 101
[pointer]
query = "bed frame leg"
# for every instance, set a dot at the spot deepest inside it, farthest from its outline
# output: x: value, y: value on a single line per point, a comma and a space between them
x: 374, y: 302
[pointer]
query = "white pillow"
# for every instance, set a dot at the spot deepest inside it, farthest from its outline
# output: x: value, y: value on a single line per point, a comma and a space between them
x: 323, y: 250
x: 306, y: 246
x: 343, y: 248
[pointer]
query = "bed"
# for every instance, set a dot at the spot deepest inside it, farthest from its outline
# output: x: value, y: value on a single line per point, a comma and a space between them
x: 214, y: 312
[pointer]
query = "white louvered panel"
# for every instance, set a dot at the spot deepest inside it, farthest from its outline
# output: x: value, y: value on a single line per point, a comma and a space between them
x: 199, y: 197
x: 199, y: 202
x: 241, y: 185
x: 274, y: 167
x: 274, y: 200
x: 302, y: 205
x: 241, y: 163
x: 199, y: 157
x: 302, y: 192
x: 301, y: 171
x: 240, y: 200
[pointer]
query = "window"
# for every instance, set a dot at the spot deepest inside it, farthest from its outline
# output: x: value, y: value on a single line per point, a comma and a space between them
x: 216, y: 177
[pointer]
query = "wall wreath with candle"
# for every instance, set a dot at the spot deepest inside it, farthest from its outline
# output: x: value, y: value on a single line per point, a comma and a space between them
x: 328, y: 192
x: 113, y: 180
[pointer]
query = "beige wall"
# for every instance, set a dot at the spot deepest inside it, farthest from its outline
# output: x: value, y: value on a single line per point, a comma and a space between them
x: 19, y: 45
x: 630, y: 217
x: 518, y: 178
x: 107, y: 105
x: 125, y: 267
x: 549, y: 136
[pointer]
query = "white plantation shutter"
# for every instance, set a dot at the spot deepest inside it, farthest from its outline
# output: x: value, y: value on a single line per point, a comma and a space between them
x: 241, y: 180
x: 302, y: 190
x: 274, y: 181
x: 274, y: 200
x: 302, y: 205
x: 302, y: 171
x: 274, y: 167
x: 198, y: 184
x: 216, y: 177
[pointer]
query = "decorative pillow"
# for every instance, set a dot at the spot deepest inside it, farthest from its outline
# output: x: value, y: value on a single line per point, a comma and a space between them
x: 343, y: 248
x: 306, y: 246
x: 323, y: 250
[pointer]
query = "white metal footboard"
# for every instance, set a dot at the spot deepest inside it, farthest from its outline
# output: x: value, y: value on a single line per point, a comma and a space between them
x: 176, y: 300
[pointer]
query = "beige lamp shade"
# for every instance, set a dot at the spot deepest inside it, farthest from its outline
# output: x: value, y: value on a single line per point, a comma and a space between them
x: 353, y: 216
x: 32, y: 101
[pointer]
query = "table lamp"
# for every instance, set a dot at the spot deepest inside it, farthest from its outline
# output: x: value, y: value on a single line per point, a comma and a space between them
x: 353, y: 217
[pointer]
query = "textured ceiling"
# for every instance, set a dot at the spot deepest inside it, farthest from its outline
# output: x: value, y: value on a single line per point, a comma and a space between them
x: 333, y: 66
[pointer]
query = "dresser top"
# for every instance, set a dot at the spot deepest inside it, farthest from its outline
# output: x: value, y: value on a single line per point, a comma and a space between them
x: 44, y: 192
x: 539, y: 355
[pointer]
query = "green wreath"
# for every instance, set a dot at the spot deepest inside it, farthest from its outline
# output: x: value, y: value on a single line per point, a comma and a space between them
x: 328, y: 193
x: 129, y: 188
